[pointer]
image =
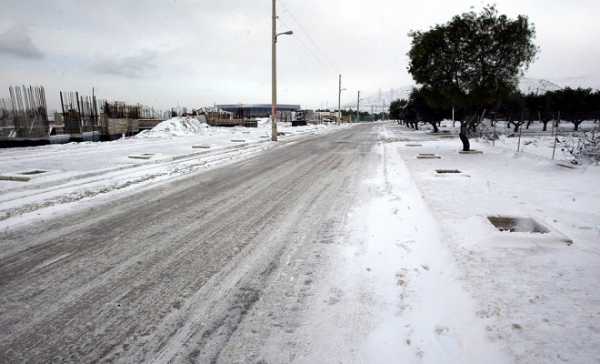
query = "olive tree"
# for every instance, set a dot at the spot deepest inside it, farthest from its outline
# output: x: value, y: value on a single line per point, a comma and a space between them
x: 474, y: 61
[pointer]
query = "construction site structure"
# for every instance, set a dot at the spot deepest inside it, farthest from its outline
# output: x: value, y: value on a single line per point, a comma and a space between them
x: 24, y: 115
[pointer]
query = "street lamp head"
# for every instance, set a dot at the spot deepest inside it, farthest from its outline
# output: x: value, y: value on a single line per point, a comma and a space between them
x: 289, y: 32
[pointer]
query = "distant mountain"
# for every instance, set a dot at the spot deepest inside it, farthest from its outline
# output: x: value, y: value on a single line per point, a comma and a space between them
x: 537, y: 86
x: 381, y: 100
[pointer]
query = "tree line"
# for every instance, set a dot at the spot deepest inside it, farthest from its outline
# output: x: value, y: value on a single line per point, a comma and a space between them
x: 573, y: 105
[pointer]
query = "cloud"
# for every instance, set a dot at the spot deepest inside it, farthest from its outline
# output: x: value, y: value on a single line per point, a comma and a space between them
x: 17, y: 42
x: 133, y: 66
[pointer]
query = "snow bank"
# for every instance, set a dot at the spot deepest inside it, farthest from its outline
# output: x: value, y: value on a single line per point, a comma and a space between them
x: 537, y: 295
x: 178, y: 126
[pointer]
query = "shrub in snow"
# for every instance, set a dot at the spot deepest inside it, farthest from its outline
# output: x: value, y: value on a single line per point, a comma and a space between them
x: 583, y: 147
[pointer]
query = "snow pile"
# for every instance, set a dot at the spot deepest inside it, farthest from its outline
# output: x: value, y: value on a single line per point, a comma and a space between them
x: 263, y: 122
x: 178, y: 126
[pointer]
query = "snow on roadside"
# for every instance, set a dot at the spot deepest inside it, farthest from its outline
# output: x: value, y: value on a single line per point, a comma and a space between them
x: 394, y: 294
x: 82, y: 171
x: 179, y: 126
x: 538, y: 295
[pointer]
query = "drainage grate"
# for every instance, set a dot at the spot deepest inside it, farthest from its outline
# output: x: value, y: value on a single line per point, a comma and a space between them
x: 414, y: 145
x: 428, y: 156
x: 33, y: 172
x: 395, y: 140
x: 144, y: 156
x: 518, y: 224
x: 447, y: 171
x: 15, y: 178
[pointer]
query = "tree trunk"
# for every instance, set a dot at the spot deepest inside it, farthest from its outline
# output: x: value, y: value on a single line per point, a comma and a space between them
x: 517, y: 127
x: 435, y: 126
x: 545, y: 125
x: 577, y: 125
x: 464, y: 137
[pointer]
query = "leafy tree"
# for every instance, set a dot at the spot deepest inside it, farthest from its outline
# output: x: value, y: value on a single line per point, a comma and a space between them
x: 472, y: 62
x: 423, y: 106
x: 540, y: 107
x: 574, y: 104
x: 514, y: 107
x: 397, y: 109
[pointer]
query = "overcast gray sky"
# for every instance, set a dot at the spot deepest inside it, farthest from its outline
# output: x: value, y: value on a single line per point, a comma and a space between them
x: 200, y: 52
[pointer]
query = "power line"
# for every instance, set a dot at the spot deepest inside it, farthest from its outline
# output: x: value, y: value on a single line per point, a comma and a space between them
x: 332, y: 65
x: 306, y: 48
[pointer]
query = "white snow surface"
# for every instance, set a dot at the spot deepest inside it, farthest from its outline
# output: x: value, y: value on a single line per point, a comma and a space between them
x: 400, y: 296
x: 77, y: 172
x: 419, y: 275
x: 179, y: 126
x: 538, y: 297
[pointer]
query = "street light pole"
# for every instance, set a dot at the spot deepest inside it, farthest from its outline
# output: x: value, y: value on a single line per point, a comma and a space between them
x: 340, y: 101
x: 274, y: 76
x: 340, y: 89
x: 275, y: 35
x: 358, y: 108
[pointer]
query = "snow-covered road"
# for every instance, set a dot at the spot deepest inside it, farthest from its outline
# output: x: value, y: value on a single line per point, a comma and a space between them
x: 324, y: 251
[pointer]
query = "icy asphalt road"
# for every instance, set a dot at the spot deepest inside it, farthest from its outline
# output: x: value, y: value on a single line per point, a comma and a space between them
x: 237, y: 264
x: 174, y: 271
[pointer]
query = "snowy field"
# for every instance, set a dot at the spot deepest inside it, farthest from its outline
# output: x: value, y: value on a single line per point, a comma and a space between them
x: 538, y: 294
x: 81, y: 171
x: 533, y: 140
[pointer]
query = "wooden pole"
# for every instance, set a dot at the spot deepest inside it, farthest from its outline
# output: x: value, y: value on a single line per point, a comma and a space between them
x: 555, y: 137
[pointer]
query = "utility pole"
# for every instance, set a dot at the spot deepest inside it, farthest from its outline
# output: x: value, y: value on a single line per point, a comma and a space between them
x: 274, y: 72
x: 358, y: 108
x: 555, y: 134
x: 274, y: 76
x: 340, y: 101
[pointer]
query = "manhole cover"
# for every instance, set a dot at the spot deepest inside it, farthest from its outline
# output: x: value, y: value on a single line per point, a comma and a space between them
x: 517, y: 224
x: 447, y: 171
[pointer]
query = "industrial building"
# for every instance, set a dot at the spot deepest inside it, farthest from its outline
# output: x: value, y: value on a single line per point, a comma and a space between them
x: 241, y: 111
